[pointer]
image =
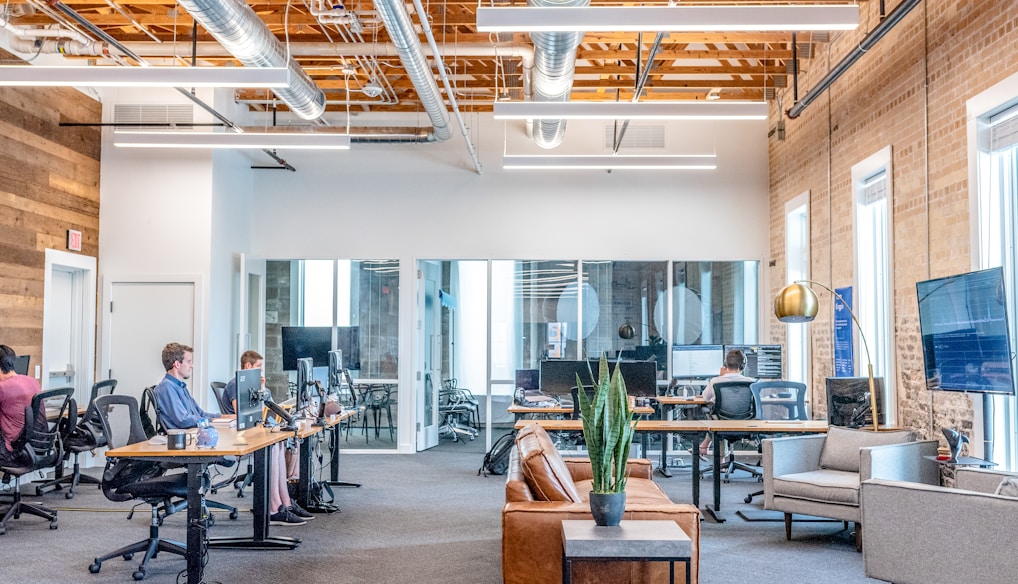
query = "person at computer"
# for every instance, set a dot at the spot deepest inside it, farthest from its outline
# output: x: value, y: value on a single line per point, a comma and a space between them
x: 16, y: 393
x: 281, y: 458
x: 179, y: 410
x: 731, y: 370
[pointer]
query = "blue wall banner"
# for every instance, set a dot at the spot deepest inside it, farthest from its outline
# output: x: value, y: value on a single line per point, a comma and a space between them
x: 844, y: 348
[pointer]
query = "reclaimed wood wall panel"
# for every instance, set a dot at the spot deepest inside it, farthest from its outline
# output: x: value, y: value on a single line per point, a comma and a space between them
x: 49, y: 183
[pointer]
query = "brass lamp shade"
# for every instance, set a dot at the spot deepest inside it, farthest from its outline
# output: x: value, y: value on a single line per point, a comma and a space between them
x: 796, y: 303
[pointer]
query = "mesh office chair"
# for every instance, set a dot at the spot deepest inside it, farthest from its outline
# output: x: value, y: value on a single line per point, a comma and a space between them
x: 37, y: 447
x: 82, y: 436
x: 778, y: 400
x: 124, y: 480
x: 733, y: 400
x: 458, y: 409
x: 150, y: 409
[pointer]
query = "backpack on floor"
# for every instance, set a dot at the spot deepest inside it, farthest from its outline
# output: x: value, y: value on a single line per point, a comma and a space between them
x: 496, y: 460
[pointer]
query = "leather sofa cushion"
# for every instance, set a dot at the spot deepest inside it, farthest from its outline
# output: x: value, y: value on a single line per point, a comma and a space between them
x: 543, y: 467
x: 638, y: 492
x: 841, y: 447
x: 825, y: 486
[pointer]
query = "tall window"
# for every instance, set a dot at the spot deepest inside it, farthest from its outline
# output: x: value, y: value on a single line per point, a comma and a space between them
x: 998, y: 234
x: 871, y: 180
x: 797, y: 268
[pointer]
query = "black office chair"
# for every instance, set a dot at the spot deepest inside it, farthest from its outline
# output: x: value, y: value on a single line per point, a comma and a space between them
x: 150, y: 410
x: 217, y: 390
x: 124, y: 480
x: 778, y: 400
x: 733, y: 400
x: 82, y: 436
x: 37, y: 447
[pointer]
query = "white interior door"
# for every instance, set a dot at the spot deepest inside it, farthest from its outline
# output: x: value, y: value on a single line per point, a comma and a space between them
x: 249, y: 320
x: 68, y: 356
x: 430, y: 343
x: 142, y: 318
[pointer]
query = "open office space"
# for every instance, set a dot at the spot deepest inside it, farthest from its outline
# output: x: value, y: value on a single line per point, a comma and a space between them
x: 442, y: 265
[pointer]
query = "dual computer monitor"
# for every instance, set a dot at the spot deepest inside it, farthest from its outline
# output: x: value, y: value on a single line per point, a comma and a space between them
x: 702, y: 361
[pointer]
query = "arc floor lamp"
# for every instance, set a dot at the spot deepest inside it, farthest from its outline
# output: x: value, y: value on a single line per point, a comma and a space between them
x: 797, y: 303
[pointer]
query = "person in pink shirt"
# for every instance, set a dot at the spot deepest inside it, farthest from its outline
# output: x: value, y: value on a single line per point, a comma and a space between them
x: 16, y: 392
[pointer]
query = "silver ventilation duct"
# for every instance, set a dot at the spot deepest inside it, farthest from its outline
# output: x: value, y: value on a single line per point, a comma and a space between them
x: 554, y: 66
x: 401, y: 31
x: 241, y: 32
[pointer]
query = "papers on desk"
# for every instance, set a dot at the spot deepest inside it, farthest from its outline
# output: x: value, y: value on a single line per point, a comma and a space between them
x: 159, y: 440
x: 224, y: 422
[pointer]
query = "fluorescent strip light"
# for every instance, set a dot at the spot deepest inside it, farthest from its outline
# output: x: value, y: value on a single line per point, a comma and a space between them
x: 260, y: 140
x: 668, y: 18
x: 41, y: 76
x: 608, y: 162
x: 627, y: 110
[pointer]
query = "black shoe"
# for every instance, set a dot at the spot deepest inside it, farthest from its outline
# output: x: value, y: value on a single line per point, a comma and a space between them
x: 285, y: 517
x: 300, y: 512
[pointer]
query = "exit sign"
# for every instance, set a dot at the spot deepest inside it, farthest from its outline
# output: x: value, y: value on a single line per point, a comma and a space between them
x: 73, y: 240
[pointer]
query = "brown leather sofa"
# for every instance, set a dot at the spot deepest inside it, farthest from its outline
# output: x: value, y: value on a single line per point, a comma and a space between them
x: 543, y: 488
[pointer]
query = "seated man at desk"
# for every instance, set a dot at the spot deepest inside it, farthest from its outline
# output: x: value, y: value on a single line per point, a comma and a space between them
x: 285, y: 510
x: 731, y: 370
x: 178, y: 409
x: 16, y: 393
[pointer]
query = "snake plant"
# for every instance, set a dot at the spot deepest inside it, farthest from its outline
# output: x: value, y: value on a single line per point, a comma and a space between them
x: 608, y: 428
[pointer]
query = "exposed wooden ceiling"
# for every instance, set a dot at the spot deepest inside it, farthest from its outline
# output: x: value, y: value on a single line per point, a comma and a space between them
x: 739, y: 66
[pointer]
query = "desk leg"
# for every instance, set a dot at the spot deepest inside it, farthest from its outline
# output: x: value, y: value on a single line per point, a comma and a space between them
x: 260, y: 538
x: 715, y: 510
x: 696, y: 474
x: 663, y: 468
x: 334, y: 461
x: 195, y: 523
x: 567, y: 565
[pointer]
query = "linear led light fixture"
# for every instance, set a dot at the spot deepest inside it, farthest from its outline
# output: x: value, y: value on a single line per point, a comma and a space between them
x: 627, y: 110
x: 608, y: 162
x: 680, y: 18
x: 259, y: 140
x: 42, y: 76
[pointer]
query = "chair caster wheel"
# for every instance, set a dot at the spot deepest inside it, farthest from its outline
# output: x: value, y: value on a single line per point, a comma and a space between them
x: 139, y: 575
x: 748, y: 499
x: 3, y: 530
x: 68, y: 495
x: 233, y: 514
x: 128, y: 557
x: 94, y: 568
x: 53, y: 525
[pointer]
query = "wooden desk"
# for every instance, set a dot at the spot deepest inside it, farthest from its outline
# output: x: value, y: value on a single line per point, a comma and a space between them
x: 695, y: 428
x: 720, y: 428
x: 717, y: 428
x: 255, y: 442
x: 305, y: 431
x: 520, y: 411
x: 669, y: 403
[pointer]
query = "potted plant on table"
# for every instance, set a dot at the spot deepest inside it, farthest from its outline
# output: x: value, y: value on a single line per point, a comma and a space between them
x: 608, y: 431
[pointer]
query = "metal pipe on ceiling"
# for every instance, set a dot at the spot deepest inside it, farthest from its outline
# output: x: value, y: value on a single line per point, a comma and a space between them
x: 554, y: 69
x: 867, y: 43
x: 236, y: 26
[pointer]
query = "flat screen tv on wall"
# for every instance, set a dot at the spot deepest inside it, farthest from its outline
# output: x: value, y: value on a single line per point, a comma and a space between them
x: 965, y: 337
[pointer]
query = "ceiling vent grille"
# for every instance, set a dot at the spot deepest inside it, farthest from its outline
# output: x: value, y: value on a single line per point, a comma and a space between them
x: 153, y: 115
x: 637, y: 136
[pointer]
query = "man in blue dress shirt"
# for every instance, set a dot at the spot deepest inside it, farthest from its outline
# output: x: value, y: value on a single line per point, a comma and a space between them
x: 177, y: 408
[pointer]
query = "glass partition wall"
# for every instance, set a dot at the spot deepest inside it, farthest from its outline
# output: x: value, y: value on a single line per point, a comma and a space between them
x: 359, y: 301
x: 479, y: 322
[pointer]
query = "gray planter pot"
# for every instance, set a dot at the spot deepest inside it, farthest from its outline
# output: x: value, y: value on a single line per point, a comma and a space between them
x: 607, y: 508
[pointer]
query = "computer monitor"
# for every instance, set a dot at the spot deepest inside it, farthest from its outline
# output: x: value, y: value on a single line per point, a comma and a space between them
x: 762, y: 361
x: 335, y: 380
x: 21, y: 364
x: 306, y: 341
x: 249, y: 398
x: 528, y: 379
x: 640, y: 376
x: 558, y: 376
x: 693, y: 361
x: 305, y: 383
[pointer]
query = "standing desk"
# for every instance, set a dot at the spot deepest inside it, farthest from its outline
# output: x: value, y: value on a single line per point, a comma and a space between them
x: 305, y: 431
x: 255, y: 442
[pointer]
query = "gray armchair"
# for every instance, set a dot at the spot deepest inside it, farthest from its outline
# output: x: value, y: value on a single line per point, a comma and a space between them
x: 922, y: 534
x: 820, y: 475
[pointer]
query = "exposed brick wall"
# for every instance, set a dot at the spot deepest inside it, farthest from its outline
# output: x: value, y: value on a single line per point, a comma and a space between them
x: 909, y: 93
x: 277, y: 315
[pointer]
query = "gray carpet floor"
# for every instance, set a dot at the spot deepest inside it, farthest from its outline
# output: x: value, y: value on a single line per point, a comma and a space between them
x: 424, y: 519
